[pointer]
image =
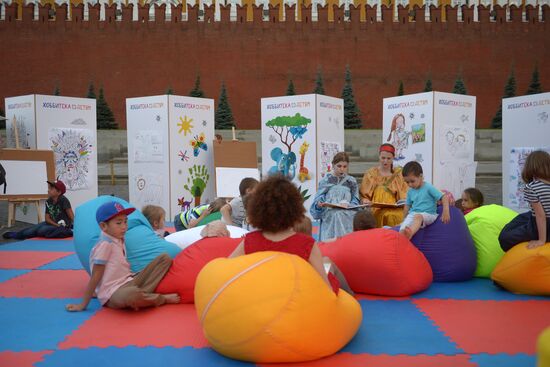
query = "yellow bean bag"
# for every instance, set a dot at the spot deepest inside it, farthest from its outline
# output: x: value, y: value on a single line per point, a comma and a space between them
x: 272, y: 307
x: 525, y: 271
x: 543, y: 348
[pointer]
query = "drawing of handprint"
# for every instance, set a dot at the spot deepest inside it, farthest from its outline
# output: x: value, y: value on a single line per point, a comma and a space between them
x: 196, y: 182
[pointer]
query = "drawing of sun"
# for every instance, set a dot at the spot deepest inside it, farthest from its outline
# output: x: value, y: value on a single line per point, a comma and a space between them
x: 185, y: 125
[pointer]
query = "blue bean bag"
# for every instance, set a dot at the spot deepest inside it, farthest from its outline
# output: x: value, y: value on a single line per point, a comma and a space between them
x: 449, y: 248
x: 142, y: 244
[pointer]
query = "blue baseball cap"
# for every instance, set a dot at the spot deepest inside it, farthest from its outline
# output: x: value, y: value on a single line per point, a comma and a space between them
x: 111, y: 209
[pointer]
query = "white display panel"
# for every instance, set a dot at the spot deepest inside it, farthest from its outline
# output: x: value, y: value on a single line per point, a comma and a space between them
x: 68, y: 126
x: 21, y: 109
x: 408, y: 126
x: 148, y: 148
x: 289, y: 129
x: 330, y: 132
x: 191, y: 132
x: 525, y: 127
x: 229, y: 178
x: 454, y: 168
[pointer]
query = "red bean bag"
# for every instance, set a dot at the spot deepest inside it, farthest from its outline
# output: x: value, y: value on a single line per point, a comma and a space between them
x: 187, y: 264
x: 380, y: 261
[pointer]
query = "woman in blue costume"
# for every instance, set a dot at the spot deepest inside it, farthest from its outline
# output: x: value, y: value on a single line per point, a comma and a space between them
x: 336, y: 188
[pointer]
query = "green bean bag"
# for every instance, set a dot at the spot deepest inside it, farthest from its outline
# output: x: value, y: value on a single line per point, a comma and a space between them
x: 485, y: 224
x: 210, y: 218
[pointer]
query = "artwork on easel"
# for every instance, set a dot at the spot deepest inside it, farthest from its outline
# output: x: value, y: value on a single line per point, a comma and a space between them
x: 149, y: 189
x: 518, y: 156
x: 73, y: 150
x: 328, y: 151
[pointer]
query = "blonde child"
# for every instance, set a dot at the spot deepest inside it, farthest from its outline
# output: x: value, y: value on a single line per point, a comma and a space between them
x: 471, y: 199
x: 533, y: 226
x: 422, y: 198
x: 156, y: 217
x: 111, y: 279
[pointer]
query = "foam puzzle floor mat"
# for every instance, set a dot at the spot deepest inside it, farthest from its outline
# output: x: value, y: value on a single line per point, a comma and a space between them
x: 467, y: 324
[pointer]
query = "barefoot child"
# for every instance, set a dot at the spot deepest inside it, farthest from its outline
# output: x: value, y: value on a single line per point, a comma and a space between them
x: 111, y: 279
x: 421, y: 206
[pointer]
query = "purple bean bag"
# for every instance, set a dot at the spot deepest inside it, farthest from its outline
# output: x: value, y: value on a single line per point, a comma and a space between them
x: 449, y: 248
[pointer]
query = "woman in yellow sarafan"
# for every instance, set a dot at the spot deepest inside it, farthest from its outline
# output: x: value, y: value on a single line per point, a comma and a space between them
x: 384, y: 184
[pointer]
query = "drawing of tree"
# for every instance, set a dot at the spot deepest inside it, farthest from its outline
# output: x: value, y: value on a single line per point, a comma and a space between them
x: 289, y: 128
x: 196, y: 182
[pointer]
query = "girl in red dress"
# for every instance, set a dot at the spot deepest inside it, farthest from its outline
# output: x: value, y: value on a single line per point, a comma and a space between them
x: 274, y: 208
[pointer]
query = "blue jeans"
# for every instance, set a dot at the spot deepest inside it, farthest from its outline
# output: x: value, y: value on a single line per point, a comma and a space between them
x: 43, y: 229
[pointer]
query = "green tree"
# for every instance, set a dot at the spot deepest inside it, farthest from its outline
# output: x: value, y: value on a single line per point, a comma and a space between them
x: 535, y: 87
x: 428, y: 87
x: 352, y: 115
x: 509, y: 91
x: 91, y: 91
x: 285, y: 127
x: 224, y: 116
x: 401, y: 89
x: 105, y: 117
x: 459, y: 87
x: 169, y: 90
x: 197, y: 91
x: 290, y: 90
x: 319, y: 88
x: 56, y: 91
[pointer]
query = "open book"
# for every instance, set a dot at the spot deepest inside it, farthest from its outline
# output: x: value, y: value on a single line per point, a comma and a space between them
x: 398, y: 204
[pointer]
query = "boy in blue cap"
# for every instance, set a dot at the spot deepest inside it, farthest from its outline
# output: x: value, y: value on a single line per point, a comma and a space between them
x: 111, y: 279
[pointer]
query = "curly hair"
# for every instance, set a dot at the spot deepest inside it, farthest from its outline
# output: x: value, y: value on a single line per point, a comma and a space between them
x: 275, y: 205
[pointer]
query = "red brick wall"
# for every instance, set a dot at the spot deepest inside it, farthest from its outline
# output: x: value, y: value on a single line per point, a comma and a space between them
x: 255, y: 59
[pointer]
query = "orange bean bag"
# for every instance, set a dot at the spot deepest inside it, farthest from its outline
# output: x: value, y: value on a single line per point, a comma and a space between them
x: 380, y: 261
x: 525, y: 271
x: 189, y: 262
x: 272, y: 307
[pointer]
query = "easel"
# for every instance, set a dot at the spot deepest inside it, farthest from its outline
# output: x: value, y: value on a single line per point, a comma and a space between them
x: 233, y: 155
x: 12, y: 202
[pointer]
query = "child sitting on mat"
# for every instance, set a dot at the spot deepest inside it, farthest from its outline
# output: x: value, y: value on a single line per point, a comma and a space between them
x: 111, y: 279
x: 59, y: 216
x: 275, y: 209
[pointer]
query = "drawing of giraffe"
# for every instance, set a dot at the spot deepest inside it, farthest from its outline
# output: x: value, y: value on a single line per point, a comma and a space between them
x: 303, y: 175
